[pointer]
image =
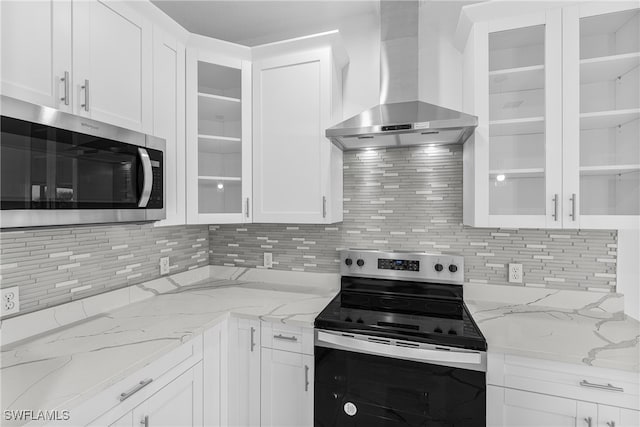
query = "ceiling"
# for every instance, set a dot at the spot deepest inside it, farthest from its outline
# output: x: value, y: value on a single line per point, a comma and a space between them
x: 254, y: 22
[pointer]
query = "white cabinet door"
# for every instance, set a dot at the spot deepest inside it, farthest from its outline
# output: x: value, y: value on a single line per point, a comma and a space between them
x: 177, y: 404
x: 293, y: 161
x: 169, y: 119
x: 513, y: 163
x: 286, y: 389
x: 112, y: 51
x: 244, y: 362
x: 36, y: 51
x: 526, y: 409
x: 216, y: 376
x: 629, y: 418
x: 601, y: 93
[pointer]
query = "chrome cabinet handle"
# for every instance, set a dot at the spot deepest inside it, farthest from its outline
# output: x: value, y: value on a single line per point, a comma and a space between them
x: 611, y: 423
x: 286, y: 338
x: 145, y: 421
x: 588, y: 421
x: 253, y: 343
x: 306, y: 378
x: 585, y: 383
x: 142, y: 384
x: 65, y: 79
x: 147, y: 184
x: 86, y: 95
x: 555, y: 207
x: 572, y: 215
x: 324, y: 206
x: 247, y: 205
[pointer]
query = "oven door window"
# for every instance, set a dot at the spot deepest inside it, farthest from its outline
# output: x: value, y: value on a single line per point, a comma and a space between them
x: 49, y: 168
x: 355, y: 389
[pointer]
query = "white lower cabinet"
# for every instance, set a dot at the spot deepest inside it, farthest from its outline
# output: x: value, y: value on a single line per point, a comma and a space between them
x: 244, y: 370
x: 286, y: 388
x: 531, y: 392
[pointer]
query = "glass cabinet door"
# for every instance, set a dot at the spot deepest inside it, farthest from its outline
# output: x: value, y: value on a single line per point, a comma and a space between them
x: 609, y: 117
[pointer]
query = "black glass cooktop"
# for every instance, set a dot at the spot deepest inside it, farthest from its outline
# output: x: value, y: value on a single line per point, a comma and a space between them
x: 414, y: 311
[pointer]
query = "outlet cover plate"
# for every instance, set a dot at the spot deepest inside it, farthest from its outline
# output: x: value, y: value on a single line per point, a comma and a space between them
x: 268, y: 259
x: 10, y: 301
x: 515, y: 273
x: 164, y: 265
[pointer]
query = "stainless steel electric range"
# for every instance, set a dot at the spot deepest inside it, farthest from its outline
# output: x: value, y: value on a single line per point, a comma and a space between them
x: 397, y: 346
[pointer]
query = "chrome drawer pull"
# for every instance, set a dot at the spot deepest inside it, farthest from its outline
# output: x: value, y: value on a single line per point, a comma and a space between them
x: 145, y: 421
x: 142, y: 384
x: 306, y: 378
x: 253, y: 342
x: 588, y: 421
x: 585, y: 383
x: 283, y: 337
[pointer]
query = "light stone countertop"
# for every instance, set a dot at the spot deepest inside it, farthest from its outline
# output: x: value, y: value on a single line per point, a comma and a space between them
x: 61, y: 368
x: 57, y: 369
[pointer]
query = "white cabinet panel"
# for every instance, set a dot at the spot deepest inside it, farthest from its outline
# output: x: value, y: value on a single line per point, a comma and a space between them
x: 169, y: 120
x: 297, y: 171
x: 287, y: 389
x: 629, y: 418
x: 216, y: 375
x: 36, y: 51
x: 244, y: 358
x: 177, y: 404
x: 112, y: 51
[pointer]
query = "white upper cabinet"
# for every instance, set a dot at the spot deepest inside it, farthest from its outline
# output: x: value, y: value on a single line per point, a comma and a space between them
x: 602, y: 115
x: 169, y: 119
x: 112, y: 51
x: 86, y: 57
x: 296, y: 96
x: 556, y: 92
x: 218, y: 137
x: 36, y: 52
x: 513, y: 163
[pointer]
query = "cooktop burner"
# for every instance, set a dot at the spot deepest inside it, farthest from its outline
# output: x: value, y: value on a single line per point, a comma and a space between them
x: 374, y: 302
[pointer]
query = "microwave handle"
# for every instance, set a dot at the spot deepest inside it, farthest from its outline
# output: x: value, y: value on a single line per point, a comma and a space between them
x: 148, y: 178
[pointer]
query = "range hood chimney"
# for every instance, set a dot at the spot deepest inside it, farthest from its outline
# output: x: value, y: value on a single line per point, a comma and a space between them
x: 400, y: 119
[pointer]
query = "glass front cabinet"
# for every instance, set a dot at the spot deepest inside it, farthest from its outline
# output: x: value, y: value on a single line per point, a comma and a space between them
x: 218, y: 139
x: 556, y: 94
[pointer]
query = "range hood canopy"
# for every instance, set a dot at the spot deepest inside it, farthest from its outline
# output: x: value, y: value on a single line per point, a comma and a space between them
x: 401, y: 120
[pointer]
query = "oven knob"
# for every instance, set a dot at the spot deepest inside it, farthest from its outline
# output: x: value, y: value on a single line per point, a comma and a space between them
x: 360, y: 320
x: 350, y: 409
x: 348, y: 319
x: 452, y: 332
x: 437, y: 330
x: 360, y: 262
x: 348, y: 261
x: 438, y: 267
x: 453, y: 268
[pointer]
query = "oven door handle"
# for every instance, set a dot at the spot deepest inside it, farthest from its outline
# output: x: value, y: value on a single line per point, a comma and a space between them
x: 422, y: 354
x: 147, y: 183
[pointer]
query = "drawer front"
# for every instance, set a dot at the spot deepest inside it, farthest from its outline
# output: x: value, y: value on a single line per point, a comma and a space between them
x: 286, y: 337
x: 123, y: 396
x: 590, y: 384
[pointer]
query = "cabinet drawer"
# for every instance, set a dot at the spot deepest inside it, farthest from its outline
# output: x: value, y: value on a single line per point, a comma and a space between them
x: 590, y: 384
x: 136, y: 387
x: 287, y: 338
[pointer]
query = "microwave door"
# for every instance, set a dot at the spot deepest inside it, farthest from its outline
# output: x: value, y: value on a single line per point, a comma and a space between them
x: 147, y: 177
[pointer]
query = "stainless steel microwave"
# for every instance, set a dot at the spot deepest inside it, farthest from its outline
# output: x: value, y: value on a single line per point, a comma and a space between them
x: 57, y: 168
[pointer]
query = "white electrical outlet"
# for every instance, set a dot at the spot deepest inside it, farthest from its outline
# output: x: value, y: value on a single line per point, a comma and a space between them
x: 164, y: 265
x: 268, y: 260
x: 10, y: 301
x: 515, y: 273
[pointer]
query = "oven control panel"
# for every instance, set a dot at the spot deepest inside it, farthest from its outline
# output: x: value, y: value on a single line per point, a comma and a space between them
x: 416, y: 266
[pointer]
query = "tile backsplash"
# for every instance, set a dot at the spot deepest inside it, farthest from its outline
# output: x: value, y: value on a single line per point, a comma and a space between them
x: 411, y: 199
x: 59, y: 264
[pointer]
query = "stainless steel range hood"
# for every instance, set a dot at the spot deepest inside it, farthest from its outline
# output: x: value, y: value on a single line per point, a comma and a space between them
x: 401, y: 120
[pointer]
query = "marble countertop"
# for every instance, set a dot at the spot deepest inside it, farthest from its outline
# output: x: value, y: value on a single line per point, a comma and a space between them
x: 577, y: 327
x: 57, y: 369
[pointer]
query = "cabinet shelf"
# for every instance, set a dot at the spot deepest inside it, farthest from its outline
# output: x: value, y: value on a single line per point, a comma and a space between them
x: 219, y: 144
x: 518, y: 173
x: 516, y: 79
x: 219, y: 178
x: 218, y: 138
x: 523, y: 126
x: 608, y: 119
x: 218, y: 108
x: 607, y: 67
x: 609, y: 169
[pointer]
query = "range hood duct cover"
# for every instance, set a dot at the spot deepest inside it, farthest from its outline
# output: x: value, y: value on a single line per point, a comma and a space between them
x: 400, y: 119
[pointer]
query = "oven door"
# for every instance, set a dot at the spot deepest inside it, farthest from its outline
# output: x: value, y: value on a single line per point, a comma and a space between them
x: 53, y: 175
x: 361, y: 382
